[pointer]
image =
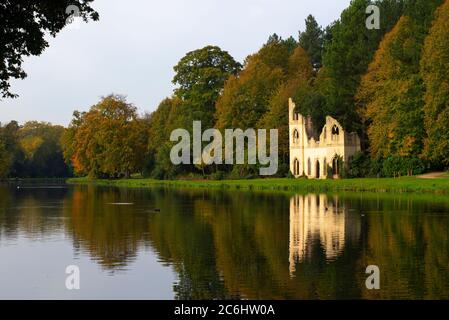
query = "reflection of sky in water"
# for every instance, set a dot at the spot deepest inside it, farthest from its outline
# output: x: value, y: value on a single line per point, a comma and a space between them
x: 35, y: 269
x: 37, y: 243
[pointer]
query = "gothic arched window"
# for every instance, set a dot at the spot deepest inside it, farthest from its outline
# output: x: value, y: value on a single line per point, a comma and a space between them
x: 335, y: 130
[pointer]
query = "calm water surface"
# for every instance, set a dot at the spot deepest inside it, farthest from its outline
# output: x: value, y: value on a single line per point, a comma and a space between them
x: 195, y: 244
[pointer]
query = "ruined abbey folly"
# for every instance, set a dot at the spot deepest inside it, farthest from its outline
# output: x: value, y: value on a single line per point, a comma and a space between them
x: 319, y: 155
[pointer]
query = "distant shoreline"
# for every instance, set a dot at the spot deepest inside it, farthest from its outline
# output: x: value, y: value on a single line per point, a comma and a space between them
x: 398, y: 185
x: 33, y: 180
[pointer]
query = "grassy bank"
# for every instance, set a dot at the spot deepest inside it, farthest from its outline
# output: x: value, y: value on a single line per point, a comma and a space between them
x: 402, y: 185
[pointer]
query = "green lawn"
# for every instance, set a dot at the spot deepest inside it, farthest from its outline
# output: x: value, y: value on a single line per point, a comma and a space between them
x: 406, y: 184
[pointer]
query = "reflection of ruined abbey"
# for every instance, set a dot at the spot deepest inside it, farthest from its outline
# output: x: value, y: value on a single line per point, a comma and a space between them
x: 319, y: 219
x: 318, y: 155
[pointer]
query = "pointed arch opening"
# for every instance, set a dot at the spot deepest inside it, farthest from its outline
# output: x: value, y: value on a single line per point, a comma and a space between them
x: 335, y: 166
x: 296, y: 136
x: 309, y: 167
x: 335, y: 133
x: 335, y: 130
x: 325, y: 167
x: 296, y: 167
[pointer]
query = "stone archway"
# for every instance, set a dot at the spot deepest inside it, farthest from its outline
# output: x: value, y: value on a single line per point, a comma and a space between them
x: 317, y: 169
x: 335, y: 166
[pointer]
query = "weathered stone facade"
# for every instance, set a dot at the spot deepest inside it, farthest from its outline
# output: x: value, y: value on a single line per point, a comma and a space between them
x: 316, y: 155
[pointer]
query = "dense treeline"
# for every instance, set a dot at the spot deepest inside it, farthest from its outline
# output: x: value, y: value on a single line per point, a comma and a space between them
x: 32, y: 151
x: 391, y: 97
x: 435, y: 73
x: 379, y: 83
x: 389, y: 85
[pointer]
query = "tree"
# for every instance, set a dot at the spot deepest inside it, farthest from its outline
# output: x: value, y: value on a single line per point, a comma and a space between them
x: 167, y: 117
x: 5, y: 159
x: 290, y: 43
x: 10, y: 134
x: 422, y: 11
x: 394, y: 117
x: 109, y: 140
x: 200, y: 77
x: 298, y: 84
x: 41, y: 149
x: 245, y: 97
x: 32, y: 150
x: 158, y: 124
x: 435, y: 72
x: 312, y: 40
x: 23, y: 25
x: 348, y: 54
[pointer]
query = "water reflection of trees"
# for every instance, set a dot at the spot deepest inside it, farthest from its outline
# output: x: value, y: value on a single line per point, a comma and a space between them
x: 248, y: 245
x: 409, y: 241
x: 111, y: 233
x: 236, y: 245
x: 23, y: 211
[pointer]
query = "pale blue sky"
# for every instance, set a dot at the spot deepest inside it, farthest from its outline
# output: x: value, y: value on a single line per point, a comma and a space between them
x: 136, y: 43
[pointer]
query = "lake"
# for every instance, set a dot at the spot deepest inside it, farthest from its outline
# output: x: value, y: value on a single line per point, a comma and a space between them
x: 196, y: 244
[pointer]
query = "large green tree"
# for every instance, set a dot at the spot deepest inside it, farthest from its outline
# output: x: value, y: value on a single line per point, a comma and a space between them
x: 311, y: 40
x: 23, y: 25
x: 200, y: 77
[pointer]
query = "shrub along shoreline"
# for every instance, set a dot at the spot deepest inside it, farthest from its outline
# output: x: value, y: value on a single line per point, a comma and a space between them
x: 396, y: 185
